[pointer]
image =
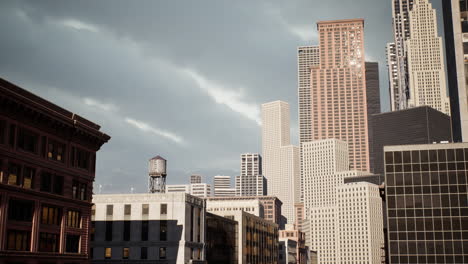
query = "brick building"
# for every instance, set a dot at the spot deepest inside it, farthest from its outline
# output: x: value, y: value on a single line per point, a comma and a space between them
x: 47, y: 168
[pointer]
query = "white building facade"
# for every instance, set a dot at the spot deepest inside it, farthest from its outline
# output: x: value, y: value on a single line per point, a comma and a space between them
x: 360, y: 237
x: 201, y: 190
x: 324, y: 169
x: 426, y: 66
x: 161, y: 228
x: 280, y: 159
x: 222, y: 186
x: 217, y: 206
x: 183, y: 188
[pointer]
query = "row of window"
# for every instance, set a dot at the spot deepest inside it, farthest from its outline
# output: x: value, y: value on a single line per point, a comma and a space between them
x: 23, y: 211
x: 143, y: 253
x: 25, y: 176
x: 127, y: 230
x: 128, y: 209
x: 20, y: 240
x: 30, y: 141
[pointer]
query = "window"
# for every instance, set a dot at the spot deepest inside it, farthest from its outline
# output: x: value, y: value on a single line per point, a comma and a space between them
x: 126, y: 231
x: 109, y: 209
x: 46, y: 182
x: 18, y: 240
x: 83, y: 195
x: 20, y: 210
x: 2, y: 131
x: 11, y: 139
x: 14, y: 171
x: 109, y: 230
x: 144, y: 253
x: 126, y: 253
x: 27, y: 140
x: 55, y: 151
x: 145, y: 209
x: 73, y: 244
x: 48, y: 242
x: 58, y: 184
x: 108, y: 253
x: 144, y: 230
x: 51, y: 215
x: 28, y: 175
x: 82, y: 159
x: 163, y: 209
x: 163, y: 230
x: 74, y: 219
x: 127, y: 209
x: 162, y: 253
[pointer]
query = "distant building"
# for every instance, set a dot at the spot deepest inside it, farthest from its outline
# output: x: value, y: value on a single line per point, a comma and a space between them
x: 228, y: 204
x: 300, y: 213
x: 427, y: 205
x: 291, y: 233
x: 221, y: 240
x: 136, y: 228
x: 222, y: 186
x: 201, y: 190
x: 257, y: 238
x: 251, y: 182
x: 280, y: 159
x: 331, y: 110
x: 456, y: 35
x: 269, y: 206
x: 195, y: 179
x: 419, y: 125
x: 184, y: 188
x: 47, y: 170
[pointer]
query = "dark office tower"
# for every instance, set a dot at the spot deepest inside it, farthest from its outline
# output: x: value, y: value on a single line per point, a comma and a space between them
x: 373, y: 100
x: 420, y: 125
x: 427, y: 205
x: 456, y: 49
x: 47, y: 167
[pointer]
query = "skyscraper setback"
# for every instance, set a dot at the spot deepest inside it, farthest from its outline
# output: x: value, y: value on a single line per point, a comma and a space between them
x: 338, y: 96
x: 251, y: 182
x: 416, y: 64
x: 280, y: 161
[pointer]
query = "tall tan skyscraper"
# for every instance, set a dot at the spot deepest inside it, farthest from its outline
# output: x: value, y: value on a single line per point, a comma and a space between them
x: 426, y: 65
x: 280, y: 160
x: 307, y: 56
x: 338, y: 89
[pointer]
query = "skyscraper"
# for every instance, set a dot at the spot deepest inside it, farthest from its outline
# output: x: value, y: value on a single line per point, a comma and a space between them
x: 328, y: 202
x: 280, y: 161
x: 427, y: 205
x: 307, y: 56
x: 222, y: 186
x: 420, y: 68
x: 396, y: 55
x: 426, y: 65
x: 338, y: 90
x: 456, y: 34
x: 251, y: 182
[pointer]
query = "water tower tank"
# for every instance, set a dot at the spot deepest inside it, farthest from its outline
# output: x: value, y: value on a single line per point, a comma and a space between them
x: 157, y: 166
x: 157, y: 175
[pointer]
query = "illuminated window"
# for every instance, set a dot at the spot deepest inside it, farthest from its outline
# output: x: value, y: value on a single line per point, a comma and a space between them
x: 51, y: 215
x: 18, y: 240
x: 13, y: 174
x: 108, y: 253
x: 162, y: 253
x: 126, y: 253
x: 74, y: 219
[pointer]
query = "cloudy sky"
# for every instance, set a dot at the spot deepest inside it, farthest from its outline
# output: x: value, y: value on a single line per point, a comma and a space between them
x: 181, y: 79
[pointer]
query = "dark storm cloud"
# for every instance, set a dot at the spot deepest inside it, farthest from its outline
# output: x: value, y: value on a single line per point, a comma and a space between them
x: 183, y: 79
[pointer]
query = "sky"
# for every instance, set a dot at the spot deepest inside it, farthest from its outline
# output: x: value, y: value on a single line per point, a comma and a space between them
x: 180, y: 79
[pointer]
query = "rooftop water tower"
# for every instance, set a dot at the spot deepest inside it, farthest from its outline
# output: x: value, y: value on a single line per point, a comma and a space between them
x: 157, y: 175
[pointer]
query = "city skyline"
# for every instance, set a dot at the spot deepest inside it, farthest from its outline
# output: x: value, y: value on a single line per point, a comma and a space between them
x: 208, y: 86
